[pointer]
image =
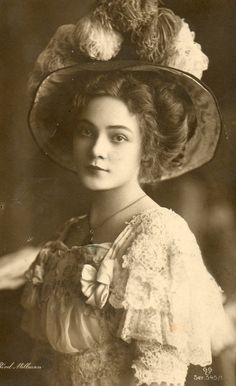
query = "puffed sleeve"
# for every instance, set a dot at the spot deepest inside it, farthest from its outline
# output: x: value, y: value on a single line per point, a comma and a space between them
x: 30, y: 299
x: 168, y: 299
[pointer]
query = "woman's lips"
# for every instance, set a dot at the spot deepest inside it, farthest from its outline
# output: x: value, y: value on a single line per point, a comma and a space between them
x: 95, y: 168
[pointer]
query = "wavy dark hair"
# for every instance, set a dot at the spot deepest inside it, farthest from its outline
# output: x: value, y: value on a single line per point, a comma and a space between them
x: 165, y: 113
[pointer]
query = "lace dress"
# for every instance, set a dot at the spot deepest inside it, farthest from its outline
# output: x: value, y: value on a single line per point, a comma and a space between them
x: 135, y: 311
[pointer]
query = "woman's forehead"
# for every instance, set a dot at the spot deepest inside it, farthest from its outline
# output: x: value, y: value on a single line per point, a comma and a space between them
x: 108, y: 110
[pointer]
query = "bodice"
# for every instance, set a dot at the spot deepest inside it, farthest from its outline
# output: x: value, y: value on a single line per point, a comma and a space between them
x: 134, y: 307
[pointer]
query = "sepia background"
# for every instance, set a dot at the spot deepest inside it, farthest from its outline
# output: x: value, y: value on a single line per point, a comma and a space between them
x: 36, y: 195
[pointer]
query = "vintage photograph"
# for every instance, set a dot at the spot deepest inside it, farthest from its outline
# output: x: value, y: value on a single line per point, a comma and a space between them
x: 117, y: 195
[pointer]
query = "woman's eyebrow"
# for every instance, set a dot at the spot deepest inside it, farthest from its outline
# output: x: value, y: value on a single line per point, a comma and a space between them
x: 83, y: 120
x: 119, y: 127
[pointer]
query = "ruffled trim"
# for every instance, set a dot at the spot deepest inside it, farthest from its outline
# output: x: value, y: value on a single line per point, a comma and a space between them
x: 157, y: 364
x: 167, y: 293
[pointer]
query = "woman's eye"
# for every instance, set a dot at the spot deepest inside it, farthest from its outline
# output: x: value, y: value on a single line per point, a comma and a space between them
x: 85, y: 132
x: 119, y: 138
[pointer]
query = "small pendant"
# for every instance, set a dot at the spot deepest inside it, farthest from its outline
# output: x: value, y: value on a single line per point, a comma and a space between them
x: 91, y: 232
x: 89, y: 238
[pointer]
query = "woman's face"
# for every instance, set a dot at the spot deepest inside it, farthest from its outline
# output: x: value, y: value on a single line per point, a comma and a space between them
x: 107, y: 144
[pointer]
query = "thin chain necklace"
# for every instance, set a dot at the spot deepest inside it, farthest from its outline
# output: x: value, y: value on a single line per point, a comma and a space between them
x: 93, y: 229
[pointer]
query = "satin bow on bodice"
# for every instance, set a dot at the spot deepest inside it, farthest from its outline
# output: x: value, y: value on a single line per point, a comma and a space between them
x: 95, y: 284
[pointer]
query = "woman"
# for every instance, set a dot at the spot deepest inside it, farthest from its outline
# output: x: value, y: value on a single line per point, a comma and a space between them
x: 119, y: 297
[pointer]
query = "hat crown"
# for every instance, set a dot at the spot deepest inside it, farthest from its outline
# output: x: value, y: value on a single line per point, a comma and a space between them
x: 123, y: 29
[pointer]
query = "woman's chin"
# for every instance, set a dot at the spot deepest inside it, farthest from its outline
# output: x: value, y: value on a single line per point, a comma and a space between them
x: 102, y: 182
x: 96, y: 184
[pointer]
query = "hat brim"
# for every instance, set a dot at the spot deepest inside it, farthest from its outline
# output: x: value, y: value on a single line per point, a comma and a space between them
x: 48, y: 121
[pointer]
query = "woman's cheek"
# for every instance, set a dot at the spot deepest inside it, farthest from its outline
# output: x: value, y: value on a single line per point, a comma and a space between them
x: 116, y: 155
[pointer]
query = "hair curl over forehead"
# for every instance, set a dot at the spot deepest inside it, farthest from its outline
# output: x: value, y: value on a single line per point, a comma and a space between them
x: 164, y: 110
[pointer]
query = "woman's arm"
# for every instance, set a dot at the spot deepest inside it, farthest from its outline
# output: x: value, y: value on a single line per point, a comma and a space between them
x: 13, y: 266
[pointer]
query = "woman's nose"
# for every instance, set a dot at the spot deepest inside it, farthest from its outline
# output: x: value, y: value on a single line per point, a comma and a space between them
x: 100, y: 146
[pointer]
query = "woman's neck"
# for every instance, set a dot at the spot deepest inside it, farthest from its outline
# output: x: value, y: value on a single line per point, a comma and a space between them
x: 105, y: 203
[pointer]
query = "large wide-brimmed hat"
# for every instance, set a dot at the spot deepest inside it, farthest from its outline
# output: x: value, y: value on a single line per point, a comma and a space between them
x: 133, y: 36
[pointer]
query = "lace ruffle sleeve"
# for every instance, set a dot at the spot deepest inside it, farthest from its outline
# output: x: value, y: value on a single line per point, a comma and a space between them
x: 168, y: 299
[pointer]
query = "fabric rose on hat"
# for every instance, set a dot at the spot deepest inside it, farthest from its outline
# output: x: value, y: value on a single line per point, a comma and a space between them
x: 187, y: 54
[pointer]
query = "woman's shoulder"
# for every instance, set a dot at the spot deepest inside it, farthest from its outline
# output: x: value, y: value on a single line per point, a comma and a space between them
x: 163, y: 220
x: 69, y: 227
x: 162, y: 238
x: 66, y: 226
